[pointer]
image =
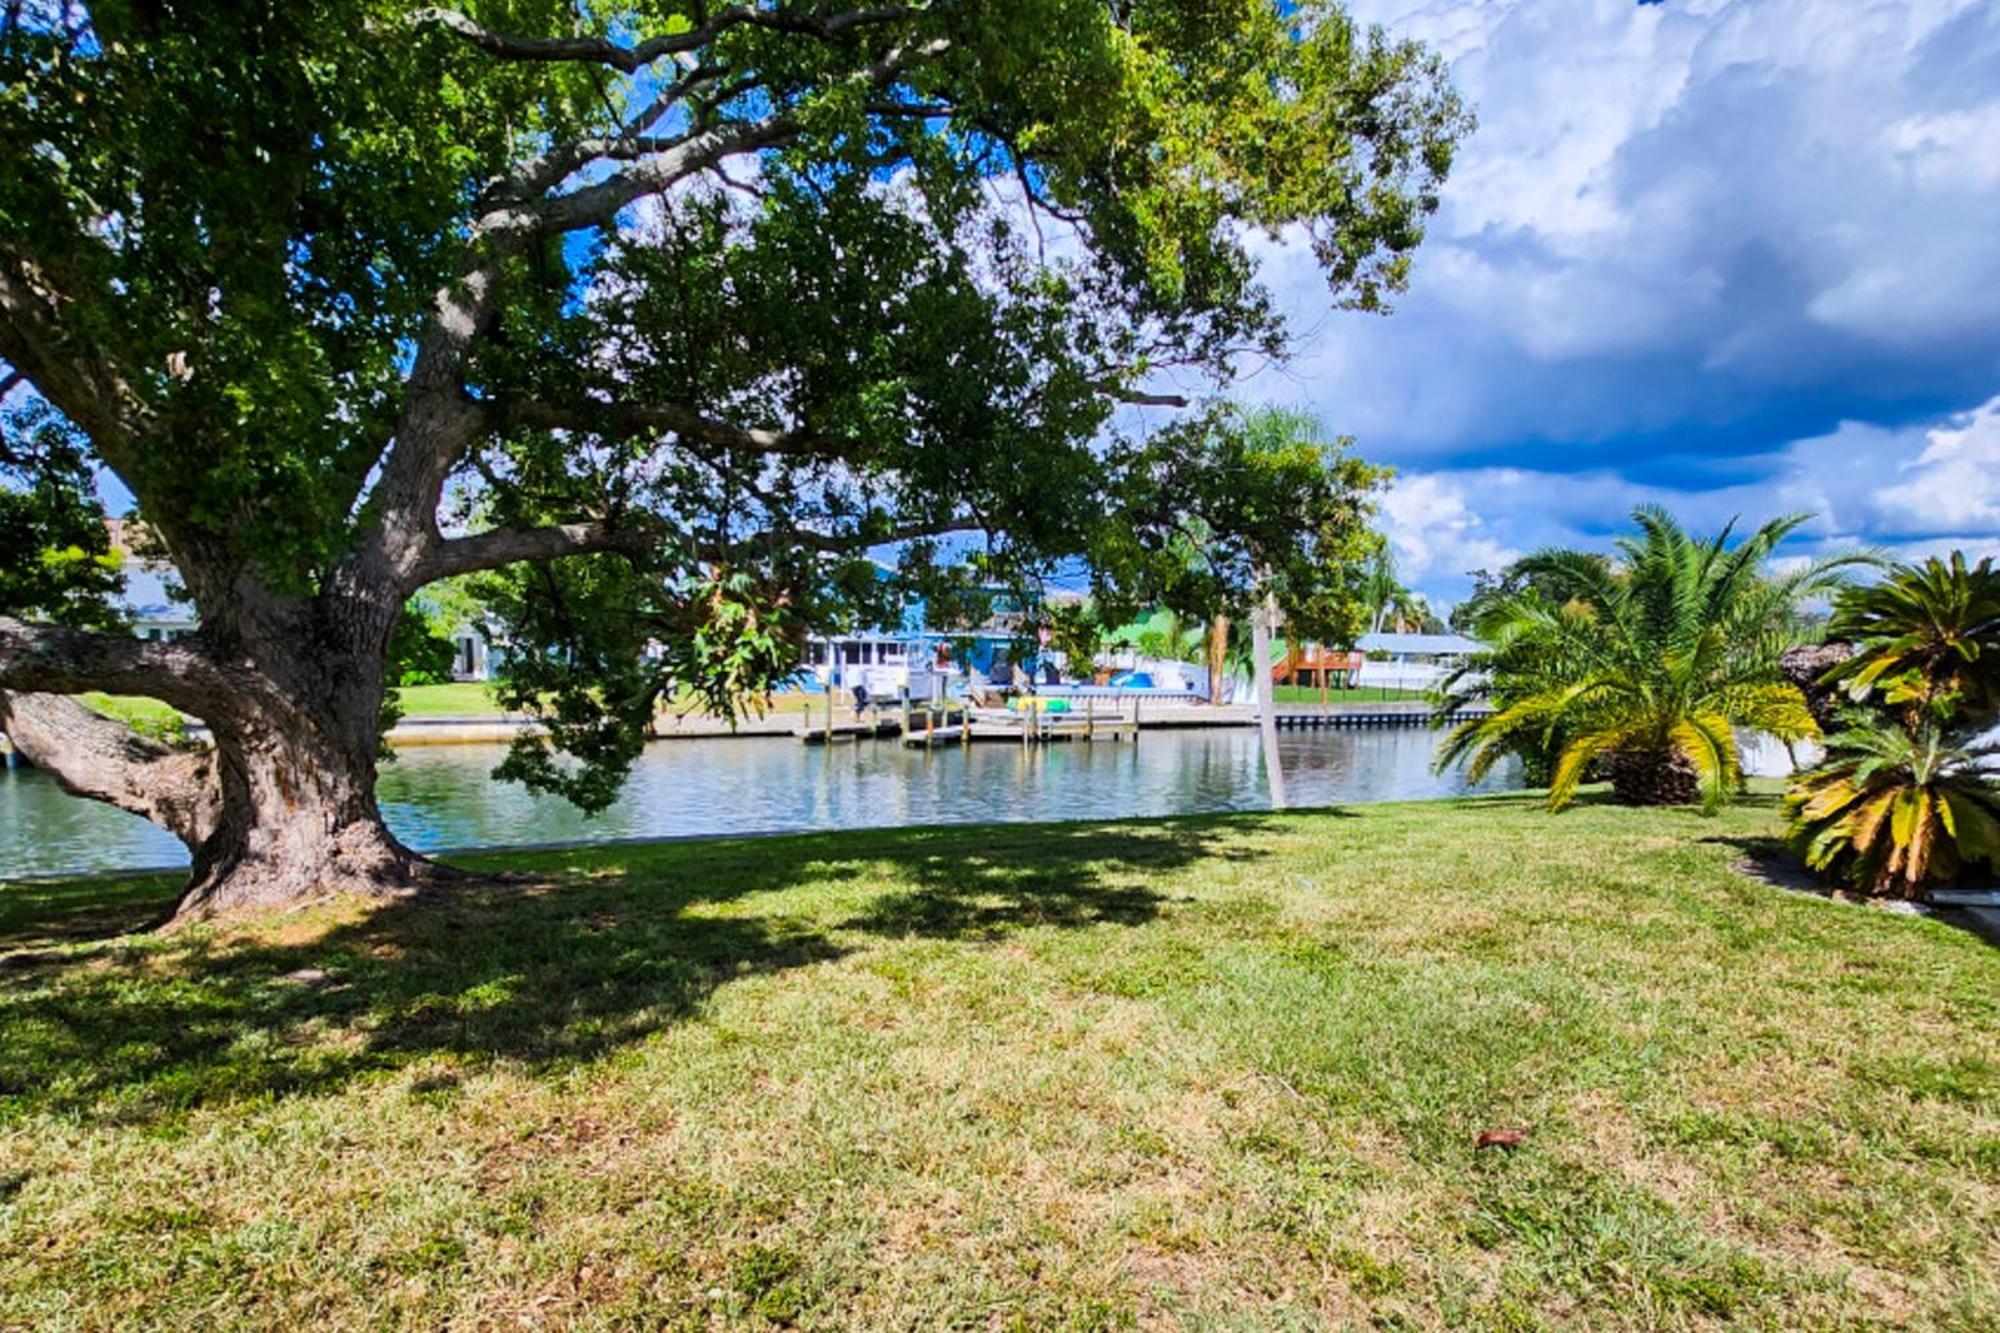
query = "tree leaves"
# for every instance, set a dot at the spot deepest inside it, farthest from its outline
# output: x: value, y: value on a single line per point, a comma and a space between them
x: 812, y: 282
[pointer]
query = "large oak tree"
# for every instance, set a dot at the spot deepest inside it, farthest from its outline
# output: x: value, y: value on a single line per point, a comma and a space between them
x: 667, y: 311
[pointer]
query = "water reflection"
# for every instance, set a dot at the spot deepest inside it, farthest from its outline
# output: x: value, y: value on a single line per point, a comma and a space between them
x: 442, y: 796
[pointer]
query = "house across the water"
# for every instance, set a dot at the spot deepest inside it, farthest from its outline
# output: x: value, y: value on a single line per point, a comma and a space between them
x: 928, y: 661
x: 1412, y: 661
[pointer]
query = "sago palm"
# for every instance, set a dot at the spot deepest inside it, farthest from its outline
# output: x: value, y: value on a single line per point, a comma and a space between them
x: 1642, y: 665
x: 1924, y: 634
x: 1897, y: 807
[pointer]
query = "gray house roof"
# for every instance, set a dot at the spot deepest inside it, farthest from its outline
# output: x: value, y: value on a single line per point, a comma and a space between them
x: 1421, y: 645
x: 145, y: 599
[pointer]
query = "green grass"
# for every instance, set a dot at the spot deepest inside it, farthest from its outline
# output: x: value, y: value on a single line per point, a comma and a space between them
x: 1309, y: 694
x: 1216, y: 1073
x: 468, y: 698
x: 475, y: 699
x: 457, y: 699
x: 149, y: 717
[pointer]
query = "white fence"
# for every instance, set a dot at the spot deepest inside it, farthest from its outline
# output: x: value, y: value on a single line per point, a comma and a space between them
x: 1401, y: 675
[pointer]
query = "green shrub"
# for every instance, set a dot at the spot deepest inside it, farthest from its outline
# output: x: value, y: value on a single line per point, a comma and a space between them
x: 1896, y: 810
x: 1906, y: 801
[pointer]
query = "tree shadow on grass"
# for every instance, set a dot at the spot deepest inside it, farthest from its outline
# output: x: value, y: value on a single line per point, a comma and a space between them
x: 983, y: 887
x: 593, y: 949
x: 1769, y: 860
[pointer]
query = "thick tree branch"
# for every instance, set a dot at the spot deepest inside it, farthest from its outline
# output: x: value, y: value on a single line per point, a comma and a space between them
x: 678, y: 159
x: 1137, y: 398
x: 509, y: 546
x: 846, y: 543
x: 93, y: 394
x: 434, y: 428
x: 618, y: 420
x: 93, y: 756
x: 438, y: 421
x: 54, y: 659
x: 598, y: 203
x: 631, y: 59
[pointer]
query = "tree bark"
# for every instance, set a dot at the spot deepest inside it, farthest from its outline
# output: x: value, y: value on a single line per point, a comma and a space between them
x: 1805, y: 665
x: 94, y: 756
x: 1218, y: 657
x: 298, y: 822
x: 297, y: 744
x: 1652, y: 776
x: 281, y: 809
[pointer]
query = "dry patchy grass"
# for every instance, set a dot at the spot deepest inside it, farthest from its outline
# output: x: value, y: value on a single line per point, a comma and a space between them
x: 1216, y: 1073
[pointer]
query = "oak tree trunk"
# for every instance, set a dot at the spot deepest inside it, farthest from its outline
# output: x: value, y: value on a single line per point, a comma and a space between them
x: 281, y: 809
x: 296, y: 752
x: 298, y: 821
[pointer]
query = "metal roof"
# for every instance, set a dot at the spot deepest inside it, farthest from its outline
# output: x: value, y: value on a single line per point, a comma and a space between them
x: 145, y: 599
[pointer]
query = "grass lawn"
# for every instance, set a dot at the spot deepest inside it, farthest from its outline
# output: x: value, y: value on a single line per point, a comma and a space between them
x: 1220, y: 1072
x: 461, y: 698
x: 1309, y: 694
x: 148, y: 716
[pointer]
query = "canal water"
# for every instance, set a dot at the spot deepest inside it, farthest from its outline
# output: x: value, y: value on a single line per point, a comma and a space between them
x: 442, y: 796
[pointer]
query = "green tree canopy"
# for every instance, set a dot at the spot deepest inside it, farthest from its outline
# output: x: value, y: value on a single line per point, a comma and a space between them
x: 687, y: 306
x: 1237, y: 504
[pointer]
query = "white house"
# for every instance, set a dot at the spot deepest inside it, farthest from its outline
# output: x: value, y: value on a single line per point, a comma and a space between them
x: 1412, y: 661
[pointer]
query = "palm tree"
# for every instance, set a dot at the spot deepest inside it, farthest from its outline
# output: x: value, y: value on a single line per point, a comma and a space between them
x: 1381, y: 588
x: 1168, y: 637
x: 1927, y: 635
x: 1906, y: 799
x: 1215, y: 651
x: 1897, y: 806
x: 1641, y: 665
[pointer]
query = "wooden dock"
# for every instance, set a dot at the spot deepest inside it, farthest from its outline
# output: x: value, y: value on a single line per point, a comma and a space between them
x: 1041, y: 726
x: 862, y: 729
x: 927, y: 726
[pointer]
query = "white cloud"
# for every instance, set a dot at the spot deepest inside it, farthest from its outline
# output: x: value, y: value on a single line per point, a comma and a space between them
x: 1738, y: 213
x: 1954, y: 484
x: 1919, y: 491
x: 1434, y: 531
x: 1735, y: 257
x: 1950, y: 150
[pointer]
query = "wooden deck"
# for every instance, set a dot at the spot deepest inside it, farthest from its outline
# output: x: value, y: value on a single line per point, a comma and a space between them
x: 833, y: 731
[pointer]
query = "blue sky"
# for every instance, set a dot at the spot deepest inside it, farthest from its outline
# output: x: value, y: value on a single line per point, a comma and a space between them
x: 1734, y: 256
